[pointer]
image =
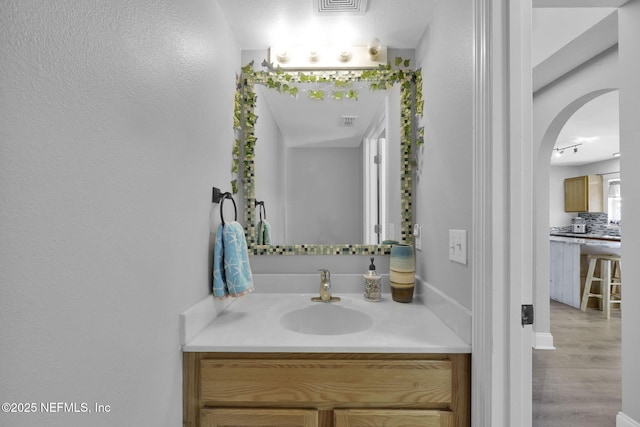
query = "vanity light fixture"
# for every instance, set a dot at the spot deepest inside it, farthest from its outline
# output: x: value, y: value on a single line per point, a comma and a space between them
x: 328, y: 57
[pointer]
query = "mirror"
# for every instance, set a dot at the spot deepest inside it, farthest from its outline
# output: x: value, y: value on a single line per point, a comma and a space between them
x: 315, y: 164
x: 316, y: 177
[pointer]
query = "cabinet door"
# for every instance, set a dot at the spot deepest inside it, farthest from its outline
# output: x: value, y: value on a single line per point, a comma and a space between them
x: 576, y: 196
x: 583, y: 194
x: 250, y: 417
x: 392, y: 418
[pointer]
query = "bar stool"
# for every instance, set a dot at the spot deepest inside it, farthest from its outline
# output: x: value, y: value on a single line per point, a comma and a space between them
x: 610, y: 277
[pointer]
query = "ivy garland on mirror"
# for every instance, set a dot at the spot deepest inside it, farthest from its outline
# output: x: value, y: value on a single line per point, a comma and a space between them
x: 382, y: 78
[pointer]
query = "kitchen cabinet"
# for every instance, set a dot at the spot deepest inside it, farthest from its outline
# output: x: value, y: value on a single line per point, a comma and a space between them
x: 326, y: 389
x: 568, y: 266
x: 564, y: 284
x: 583, y: 194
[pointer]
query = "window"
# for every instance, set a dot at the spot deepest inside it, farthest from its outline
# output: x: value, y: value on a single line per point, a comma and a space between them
x: 614, y: 201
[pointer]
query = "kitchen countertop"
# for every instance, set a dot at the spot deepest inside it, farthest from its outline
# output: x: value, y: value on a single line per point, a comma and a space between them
x: 591, y: 236
x: 252, y: 324
x: 589, y: 244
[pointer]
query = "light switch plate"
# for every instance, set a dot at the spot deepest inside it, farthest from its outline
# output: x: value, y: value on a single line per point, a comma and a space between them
x: 458, y: 246
x: 417, y: 236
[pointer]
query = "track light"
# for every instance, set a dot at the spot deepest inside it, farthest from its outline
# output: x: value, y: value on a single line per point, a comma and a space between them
x: 557, y: 152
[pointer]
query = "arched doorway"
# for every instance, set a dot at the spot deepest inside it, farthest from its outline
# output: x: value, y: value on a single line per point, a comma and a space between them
x: 550, y: 194
x: 543, y: 338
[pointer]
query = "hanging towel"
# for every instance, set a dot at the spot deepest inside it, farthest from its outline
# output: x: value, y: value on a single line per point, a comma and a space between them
x: 231, y: 270
x: 264, y: 233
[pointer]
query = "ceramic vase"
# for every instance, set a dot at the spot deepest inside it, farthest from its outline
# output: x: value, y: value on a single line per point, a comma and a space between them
x: 402, y: 271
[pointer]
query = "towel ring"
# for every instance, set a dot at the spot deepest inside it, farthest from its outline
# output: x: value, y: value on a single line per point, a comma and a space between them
x: 235, y: 209
x: 262, y: 210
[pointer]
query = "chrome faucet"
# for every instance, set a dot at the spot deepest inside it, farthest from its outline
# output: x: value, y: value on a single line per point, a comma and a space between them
x: 325, y: 287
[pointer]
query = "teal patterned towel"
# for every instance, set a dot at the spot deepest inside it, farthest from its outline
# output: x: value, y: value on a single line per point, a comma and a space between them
x: 231, y: 269
x: 264, y: 233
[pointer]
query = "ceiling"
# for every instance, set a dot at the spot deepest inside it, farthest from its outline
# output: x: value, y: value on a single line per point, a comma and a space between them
x: 595, y: 127
x: 563, y: 38
x: 306, y: 122
x: 259, y: 24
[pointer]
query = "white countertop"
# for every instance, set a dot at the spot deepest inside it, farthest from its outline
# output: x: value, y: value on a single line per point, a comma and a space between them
x: 615, y: 244
x: 252, y: 324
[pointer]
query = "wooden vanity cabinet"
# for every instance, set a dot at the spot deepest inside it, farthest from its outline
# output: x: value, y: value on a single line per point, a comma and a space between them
x: 326, y: 390
x: 583, y: 194
x: 392, y: 418
x: 244, y: 417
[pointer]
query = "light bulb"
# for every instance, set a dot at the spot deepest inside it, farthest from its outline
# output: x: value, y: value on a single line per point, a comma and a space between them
x: 282, y: 54
x: 344, y: 54
x: 374, y: 48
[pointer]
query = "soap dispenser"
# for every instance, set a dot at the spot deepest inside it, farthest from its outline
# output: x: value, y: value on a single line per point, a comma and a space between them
x: 372, y: 284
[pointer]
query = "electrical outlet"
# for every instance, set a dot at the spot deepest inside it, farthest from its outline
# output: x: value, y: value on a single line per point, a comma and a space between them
x: 458, y: 246
x: 417, y: 236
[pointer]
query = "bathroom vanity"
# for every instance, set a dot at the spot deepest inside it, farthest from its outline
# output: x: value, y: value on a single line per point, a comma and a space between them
x: 260, y: 363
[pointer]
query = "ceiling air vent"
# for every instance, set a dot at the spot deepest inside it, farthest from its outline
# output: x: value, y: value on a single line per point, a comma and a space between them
x: 347, y: 121
x: 347, y: 7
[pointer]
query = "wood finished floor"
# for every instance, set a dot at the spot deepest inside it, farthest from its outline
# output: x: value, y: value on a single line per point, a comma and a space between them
x: 579, y: 383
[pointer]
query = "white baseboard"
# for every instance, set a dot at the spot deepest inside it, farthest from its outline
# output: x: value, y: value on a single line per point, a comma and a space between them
x: 623, y: 420
x: 543, y: 341
x: 453, y: 314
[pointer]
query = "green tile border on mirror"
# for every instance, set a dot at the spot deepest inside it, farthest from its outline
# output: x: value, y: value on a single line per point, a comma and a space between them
x: 244, y: 117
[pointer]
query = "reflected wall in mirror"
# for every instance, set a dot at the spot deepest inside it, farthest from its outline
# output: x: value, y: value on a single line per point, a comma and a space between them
x: 330, y: 159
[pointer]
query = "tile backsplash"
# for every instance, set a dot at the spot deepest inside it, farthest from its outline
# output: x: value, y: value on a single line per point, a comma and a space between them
x: 597, y: 223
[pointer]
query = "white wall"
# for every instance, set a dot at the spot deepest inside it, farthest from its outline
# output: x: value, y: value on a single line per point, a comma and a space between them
x: 443, y: 195
x: 629, y: 45
x: 555, y: 27
x: 116, y: 121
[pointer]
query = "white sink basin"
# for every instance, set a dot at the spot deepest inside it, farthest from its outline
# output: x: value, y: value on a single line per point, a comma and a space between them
x: 326, y: 319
